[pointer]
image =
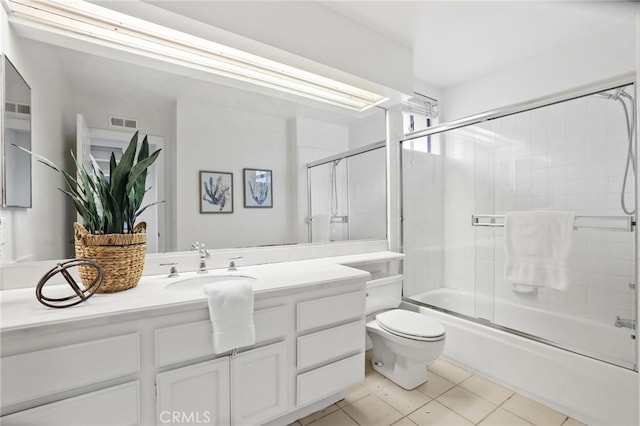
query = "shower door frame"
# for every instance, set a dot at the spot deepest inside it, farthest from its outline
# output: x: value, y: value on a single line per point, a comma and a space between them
x: 567, y: 95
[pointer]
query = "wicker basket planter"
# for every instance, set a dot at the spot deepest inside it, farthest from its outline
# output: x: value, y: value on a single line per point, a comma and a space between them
x: 120, y: 255
x: 109, y: 204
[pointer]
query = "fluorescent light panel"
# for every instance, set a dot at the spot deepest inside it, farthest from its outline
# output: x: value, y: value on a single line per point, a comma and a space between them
x: 90, y: 22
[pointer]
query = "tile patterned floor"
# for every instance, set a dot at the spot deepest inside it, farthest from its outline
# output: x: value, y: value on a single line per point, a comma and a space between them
x: 451, y: 397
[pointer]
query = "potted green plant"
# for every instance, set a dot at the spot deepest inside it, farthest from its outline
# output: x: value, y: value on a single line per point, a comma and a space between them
x: 109, y: 208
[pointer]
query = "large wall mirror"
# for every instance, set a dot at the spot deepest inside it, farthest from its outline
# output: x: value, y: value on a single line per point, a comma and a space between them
x: 16, y: 131
x: 205, y: 126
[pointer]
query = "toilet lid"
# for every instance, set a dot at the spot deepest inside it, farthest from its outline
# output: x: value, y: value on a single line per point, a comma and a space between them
x: 409, y: 324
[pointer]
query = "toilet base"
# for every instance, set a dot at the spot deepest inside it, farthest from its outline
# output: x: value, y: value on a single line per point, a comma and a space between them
x: 407, y: 376
x: 401, y: 360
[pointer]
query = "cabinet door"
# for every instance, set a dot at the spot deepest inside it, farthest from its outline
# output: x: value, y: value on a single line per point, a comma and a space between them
x: 259, y: 384
x: 197, y: 394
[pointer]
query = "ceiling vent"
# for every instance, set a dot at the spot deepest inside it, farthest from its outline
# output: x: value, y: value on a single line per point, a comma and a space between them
x: 123, y: 123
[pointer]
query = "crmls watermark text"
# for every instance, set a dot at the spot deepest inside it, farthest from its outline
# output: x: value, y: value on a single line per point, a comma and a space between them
x: 185, y: 417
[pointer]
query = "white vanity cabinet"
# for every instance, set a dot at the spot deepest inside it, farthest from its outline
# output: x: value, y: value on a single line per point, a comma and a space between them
x: 157, y: 366
x: 249, y: 387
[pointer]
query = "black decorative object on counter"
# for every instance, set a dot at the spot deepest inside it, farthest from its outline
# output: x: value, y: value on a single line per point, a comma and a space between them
x: 80, y: 295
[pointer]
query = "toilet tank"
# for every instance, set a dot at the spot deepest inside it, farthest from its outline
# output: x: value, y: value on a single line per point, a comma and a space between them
x: 384, y: 293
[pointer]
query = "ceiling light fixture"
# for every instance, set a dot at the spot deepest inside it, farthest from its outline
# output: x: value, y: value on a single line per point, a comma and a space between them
x: 89, y: 22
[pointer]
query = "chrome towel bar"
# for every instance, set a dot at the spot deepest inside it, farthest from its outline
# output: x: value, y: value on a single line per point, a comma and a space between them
x: 592, y: 223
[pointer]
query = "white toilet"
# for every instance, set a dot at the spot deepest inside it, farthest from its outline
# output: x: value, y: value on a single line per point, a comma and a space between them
x: 403, y: 341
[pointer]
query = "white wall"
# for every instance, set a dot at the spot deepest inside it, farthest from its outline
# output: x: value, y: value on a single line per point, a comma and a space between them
x: 211, y: 138
x: 593, y: 58
x: 51, y: 210
x: 368, y: 130
x: 155, y: 116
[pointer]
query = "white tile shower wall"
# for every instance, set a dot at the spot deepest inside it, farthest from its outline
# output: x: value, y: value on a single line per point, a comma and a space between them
x: 367, y: 195
x: 423, y: 220
x: 569, y: 156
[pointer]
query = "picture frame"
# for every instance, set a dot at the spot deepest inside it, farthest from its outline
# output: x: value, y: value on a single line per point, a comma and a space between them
x: 216, y: 192
x: 258, y: 188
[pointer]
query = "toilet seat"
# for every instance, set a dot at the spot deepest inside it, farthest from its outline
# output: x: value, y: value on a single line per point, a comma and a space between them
x: 410, y: 325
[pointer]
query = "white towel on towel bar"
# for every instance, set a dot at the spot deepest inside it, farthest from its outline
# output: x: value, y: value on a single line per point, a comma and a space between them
x: 537, y: 246
x: 231, y: 313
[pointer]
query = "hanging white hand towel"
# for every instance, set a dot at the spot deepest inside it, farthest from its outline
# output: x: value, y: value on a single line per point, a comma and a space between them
x: 537, y: 246
x: 231, y: 313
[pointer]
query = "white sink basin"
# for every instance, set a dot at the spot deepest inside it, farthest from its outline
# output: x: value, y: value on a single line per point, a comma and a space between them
x: 196, y: 283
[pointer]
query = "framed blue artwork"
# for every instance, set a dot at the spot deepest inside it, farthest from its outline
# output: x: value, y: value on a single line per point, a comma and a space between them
x: 258, y: 188
x: 216, y: 192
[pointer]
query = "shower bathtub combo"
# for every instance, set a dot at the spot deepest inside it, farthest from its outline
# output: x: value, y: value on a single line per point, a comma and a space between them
x: 574, y: 348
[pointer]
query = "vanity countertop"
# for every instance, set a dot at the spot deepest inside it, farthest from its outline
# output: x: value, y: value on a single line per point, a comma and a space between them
x: 20, y: 310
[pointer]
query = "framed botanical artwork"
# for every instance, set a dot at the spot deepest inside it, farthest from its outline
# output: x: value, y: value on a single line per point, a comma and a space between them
x: 258, y: 189
x: 216, y: 192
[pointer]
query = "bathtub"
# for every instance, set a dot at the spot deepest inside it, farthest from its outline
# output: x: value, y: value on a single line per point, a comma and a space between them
x: 589, y: 390
x: 587, y: 337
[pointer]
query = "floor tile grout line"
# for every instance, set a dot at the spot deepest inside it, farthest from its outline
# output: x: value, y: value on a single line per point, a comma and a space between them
x: 511, y: 392
x: 372, y: 393
x: 520, y: 417
x: 458, y: 384
x: 354, y: 420
x: 490, y: 413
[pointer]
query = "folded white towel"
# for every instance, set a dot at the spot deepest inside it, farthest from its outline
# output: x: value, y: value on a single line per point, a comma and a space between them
x: 537, y: 245
x: 231, y: 313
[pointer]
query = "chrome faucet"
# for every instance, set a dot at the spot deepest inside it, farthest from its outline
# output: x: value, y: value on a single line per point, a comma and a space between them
x: 204, y: 255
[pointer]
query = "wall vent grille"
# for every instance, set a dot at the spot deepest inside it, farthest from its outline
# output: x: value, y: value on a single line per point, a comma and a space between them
x: 17, y: 108
x: 124, y: 123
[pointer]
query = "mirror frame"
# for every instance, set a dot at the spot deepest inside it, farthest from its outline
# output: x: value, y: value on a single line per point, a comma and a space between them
x: 4, y: 64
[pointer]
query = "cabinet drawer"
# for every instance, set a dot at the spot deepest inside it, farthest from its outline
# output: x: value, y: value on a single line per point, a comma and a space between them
x: 329, y: 310
x: 36, y: 374
x: 330, y: 344
x: 117, y: 405
x: 189, y: 341
x: 331, y: 379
